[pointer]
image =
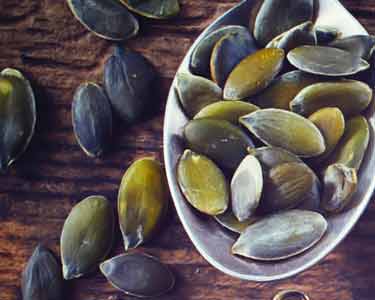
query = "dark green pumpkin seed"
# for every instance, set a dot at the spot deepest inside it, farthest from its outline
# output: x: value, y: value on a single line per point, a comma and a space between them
x: 229, y: 221
x: 359, y: 45
x: 138, y: 275
x: 17, y: 116
x: 326, y: 35
x: 87, y: 236
x: 154, y: 9
x: 92, y: 119
x: 42, y: 277
x: 107, y: 19
x: 129, y: 80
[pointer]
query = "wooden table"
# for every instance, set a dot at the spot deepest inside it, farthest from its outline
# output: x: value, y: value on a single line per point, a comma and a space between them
x: 41, y: 38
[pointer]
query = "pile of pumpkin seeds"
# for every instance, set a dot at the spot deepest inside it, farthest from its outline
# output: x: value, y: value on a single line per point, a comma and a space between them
x: 276, y: 137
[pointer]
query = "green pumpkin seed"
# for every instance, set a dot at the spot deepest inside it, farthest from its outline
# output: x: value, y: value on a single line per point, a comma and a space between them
x: 129, y: 79
x: 353, y: 145
x: 281, y: 236
x: 200, y: 58
x: 229, y: 111
x: 280, y: 128
x: 209, y: 193
x: 246, y: 188
x: 87, y: 236
x: 196, y: 92
x: 138, y: 275
x: 154, y: 9
x: 277, y: 16
x: 340, y: 184
x: 92, y: 119
x: 107, y: 19
x: 359, y: 45
x: 229, y: 221
x: 142, y: 201
x: 17, y: 116
x: 41, y: 279
x: 253, y: 74
x: 284, y: 89
x: 350, y: 96
x: 326, y: 34
x: 326, y: 61
x: 221, y: 141
x: 303, y: 34
x: 228, y: 52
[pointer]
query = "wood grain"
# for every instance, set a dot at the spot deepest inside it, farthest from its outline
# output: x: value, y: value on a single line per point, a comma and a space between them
x: 41, y: 38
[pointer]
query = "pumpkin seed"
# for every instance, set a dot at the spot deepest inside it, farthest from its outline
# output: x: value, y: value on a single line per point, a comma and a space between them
x: 280, y: 128
x: 201, y: 55
x: 270, y: 238
x: 353, y: 145
x: 92, y: 119
x: 107, y: 19
x: 228, y: 52
x: 331, y: 124
x: 208, y: 194
x: 284, y: 89
x: 17, y: 116
x: 358, y: 45
x: 229, y: 111
x: 303, y: 34
x: 326, y: 34
x: 87, y: 236
x: 253, y: 74
x: 221, y: 141
x: 154, y: 9
x: 129, y: 79
x: 41, y: 279
x: 196, y: 92
x: 350, y: 96
x: 326, y: 61
x: 229, y: 221
x: 278, y: 16
x: 142, y: 201
x: 246, y: 188
x: 288, y: 185
x: 340, y: 184
x: 138, y: 275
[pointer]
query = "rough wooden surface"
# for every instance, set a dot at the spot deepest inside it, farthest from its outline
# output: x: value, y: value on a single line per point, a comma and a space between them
x: 41, y: 38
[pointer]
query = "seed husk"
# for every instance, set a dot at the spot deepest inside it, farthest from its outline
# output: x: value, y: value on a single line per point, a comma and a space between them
x: 196, y: 92
x: 42, y: 279
x: 284, y: 89
x: 326, y: 34
x: 246, y: 188
x: 87, y: 236
x: 17, y: 116
x: 129, y: 79
x: 326, y: 61
x: 154, y: 9
x: 220, y: 140
x: 138, y: 275
x: 200, y: 58
x: 229, y: 111
x: 331, y: 123
x: 92, y: 119
x: 142, y: 201
x: 340, y: 184
x: 277, y: 16
x: 210, y: 193
x: 281, y: 235
x: 253, y: 74
x: 350, y: 96
x: 107, y: 19
x: 281, y: 128
x: 358, y: 45
x: 303, y: 34
x: 353, y: 145
x: 229, y: 221
x: 228, y: 52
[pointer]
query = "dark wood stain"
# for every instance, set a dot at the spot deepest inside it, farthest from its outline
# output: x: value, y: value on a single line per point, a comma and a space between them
x: 43, y: 40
